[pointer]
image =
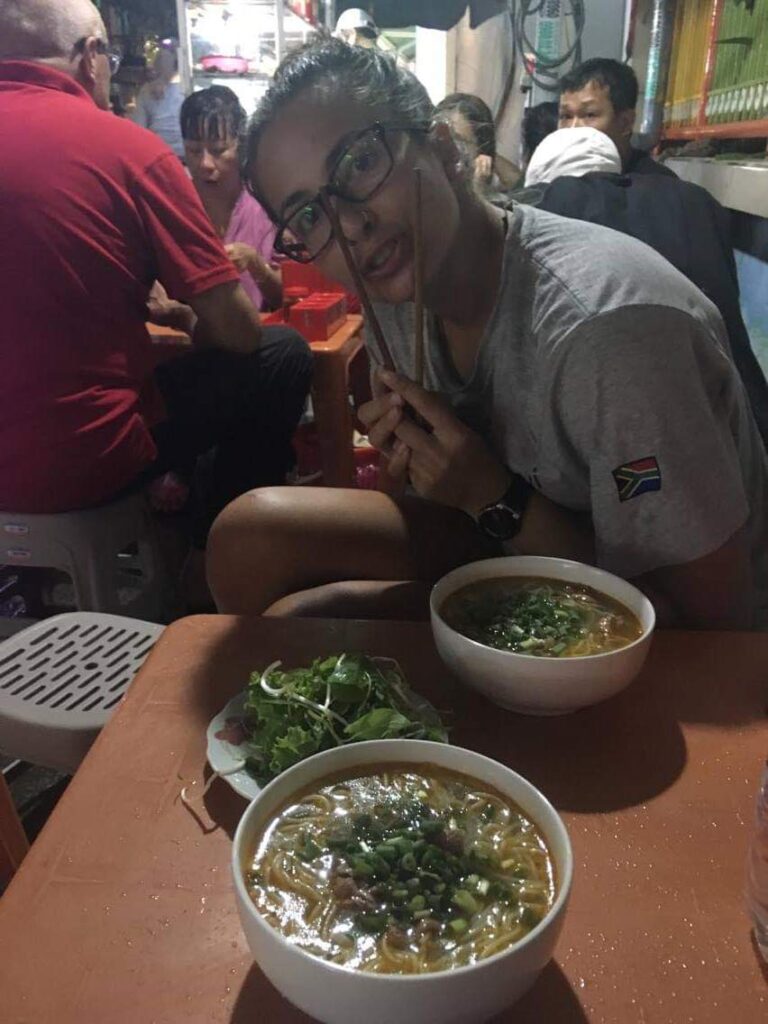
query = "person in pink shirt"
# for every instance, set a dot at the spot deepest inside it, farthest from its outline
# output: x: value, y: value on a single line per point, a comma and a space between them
x: 212, y: 122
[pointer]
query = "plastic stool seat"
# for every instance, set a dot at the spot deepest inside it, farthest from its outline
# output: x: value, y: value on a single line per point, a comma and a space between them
x: 61, y: 679
x: 87, y: 545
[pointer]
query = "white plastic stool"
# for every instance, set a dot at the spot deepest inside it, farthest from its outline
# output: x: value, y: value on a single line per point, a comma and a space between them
x: 87, y: 544
x: 61, y: 679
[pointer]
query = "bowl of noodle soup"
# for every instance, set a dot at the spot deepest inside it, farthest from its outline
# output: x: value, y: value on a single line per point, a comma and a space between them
x: 401, y: 880
x: 541, y: 636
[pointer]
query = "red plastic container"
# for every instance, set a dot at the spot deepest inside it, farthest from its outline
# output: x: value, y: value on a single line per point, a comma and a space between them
x: 319, y: 316
x: 306, y: 275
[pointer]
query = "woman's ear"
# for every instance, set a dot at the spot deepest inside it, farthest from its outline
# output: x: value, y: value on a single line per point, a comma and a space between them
x: 448, y: 153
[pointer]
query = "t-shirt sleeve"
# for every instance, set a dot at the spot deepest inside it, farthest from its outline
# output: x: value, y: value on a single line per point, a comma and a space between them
x: 647, y: 400
x: 189, y: 258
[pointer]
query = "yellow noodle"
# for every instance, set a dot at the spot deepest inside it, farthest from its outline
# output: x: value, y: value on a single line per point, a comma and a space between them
x: 296, y: 898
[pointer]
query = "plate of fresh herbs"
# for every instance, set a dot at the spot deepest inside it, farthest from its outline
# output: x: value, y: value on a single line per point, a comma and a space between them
x: 285, y: 715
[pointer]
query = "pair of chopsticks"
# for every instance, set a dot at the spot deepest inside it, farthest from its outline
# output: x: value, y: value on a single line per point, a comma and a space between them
x: 418, y: 284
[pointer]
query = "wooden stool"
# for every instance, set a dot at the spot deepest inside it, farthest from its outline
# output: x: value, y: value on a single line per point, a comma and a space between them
x: 330, y: 401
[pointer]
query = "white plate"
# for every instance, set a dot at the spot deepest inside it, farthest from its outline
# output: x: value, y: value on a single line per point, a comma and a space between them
x: 224, y: 754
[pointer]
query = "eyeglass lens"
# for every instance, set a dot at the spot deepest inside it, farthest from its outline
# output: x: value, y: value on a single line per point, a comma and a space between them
x: 361, y: 169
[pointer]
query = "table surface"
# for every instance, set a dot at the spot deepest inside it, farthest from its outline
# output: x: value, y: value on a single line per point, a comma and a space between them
x: 351, y: 327
x: 123, y: 910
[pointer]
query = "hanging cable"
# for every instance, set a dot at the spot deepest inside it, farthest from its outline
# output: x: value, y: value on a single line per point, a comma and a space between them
x: 547, y: 69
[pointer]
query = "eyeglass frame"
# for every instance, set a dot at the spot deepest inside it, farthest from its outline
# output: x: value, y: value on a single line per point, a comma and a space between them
x: 114, y: 57
x: 380, y: 128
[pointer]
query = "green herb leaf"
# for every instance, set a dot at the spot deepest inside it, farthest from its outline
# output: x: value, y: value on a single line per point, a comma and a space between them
x: 337, y: 699
x: 379, y: 724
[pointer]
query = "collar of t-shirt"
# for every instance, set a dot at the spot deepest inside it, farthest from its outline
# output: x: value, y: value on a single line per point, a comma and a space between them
x: 29, y: 72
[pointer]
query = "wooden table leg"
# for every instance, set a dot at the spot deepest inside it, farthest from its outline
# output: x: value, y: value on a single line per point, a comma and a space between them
x: 13, y: 839
x: 330, y: 400
x: 333, y: 420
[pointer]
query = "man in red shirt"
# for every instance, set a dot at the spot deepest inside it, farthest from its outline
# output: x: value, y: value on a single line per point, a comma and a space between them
x: 93, y: 210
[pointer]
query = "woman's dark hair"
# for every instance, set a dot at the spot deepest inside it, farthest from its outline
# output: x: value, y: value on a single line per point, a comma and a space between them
x: 538, y: 122
x: 212, y: 114
x: 477, y: 114
x: 619, y: 79
x: 333, y: 69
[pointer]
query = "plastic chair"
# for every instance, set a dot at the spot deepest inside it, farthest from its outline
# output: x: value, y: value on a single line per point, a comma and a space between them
x: 61, y: 679
x: 13, y: 839
x: 88, y: 545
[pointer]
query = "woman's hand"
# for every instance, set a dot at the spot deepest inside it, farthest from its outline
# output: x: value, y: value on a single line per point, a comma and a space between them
x: 483, y: 169
x: 445, y: 460
x: 380, y: 416
x: 249, y: 260
x: 243, y: 256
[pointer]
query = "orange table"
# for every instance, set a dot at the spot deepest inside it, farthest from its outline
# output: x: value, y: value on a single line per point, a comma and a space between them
x: 122, y: 912
x: 330, y: 394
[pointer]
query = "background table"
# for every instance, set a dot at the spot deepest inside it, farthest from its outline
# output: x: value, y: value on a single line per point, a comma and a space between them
x: 123, y: 910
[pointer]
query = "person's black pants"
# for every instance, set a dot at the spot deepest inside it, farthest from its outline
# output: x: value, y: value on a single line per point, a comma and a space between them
x: 242, y: 409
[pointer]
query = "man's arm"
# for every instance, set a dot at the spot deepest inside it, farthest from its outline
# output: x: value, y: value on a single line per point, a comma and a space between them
x: 223, y: 317
x: 226, y: 318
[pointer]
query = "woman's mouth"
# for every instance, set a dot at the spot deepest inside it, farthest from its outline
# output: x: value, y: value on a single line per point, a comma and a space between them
x: 387, y: 260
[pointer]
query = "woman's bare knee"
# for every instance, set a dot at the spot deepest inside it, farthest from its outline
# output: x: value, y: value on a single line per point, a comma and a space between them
x: 245, y: 547
x: 277, y: 540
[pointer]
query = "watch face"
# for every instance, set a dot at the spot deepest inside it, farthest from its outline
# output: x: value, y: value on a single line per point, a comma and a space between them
x: 499, y: 522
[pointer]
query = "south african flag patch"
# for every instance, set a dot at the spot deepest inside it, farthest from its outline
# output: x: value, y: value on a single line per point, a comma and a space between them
x: 638, y: 477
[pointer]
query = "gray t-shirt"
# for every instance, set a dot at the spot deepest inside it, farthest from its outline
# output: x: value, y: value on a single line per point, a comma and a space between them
x: 604, y: 377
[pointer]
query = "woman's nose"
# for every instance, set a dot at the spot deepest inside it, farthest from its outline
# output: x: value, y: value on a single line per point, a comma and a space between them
x: 356, y: 221
x: 207, y: 162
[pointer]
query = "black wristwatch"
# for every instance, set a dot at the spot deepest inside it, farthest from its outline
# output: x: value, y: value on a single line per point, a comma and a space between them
x: 502, y: 520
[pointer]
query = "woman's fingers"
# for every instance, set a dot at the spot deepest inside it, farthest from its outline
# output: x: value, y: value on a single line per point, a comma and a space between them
x: 429, y: 406
x: 372, y: 411
x: 417, y: 439
x: 380, y: 433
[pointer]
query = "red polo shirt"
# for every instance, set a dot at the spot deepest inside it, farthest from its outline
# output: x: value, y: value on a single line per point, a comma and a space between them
x: 93, y: 209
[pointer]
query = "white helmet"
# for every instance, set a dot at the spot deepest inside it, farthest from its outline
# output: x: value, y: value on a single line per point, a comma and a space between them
x: 355, y: 19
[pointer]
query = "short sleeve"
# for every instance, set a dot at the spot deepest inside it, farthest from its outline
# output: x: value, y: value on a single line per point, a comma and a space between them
x: 651, y: 404
x: 189, y: 258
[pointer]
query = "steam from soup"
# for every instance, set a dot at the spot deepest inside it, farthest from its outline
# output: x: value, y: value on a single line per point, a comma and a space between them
x: 542, y: 617
x: 402, y: 870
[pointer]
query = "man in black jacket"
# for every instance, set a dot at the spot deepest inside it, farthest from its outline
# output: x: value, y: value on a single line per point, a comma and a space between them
x: 683, y: 223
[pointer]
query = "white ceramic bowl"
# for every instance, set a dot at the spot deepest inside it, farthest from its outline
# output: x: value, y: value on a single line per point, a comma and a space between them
x: 338, y: 995
x: 541, y: 686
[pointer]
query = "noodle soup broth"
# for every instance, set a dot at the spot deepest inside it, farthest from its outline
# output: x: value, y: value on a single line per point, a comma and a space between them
x: 545, y: 618
x: 401, y: 869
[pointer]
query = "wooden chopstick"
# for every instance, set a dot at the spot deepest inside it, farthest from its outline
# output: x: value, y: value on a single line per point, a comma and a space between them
x: 357, y: 277
x: 418, y: 279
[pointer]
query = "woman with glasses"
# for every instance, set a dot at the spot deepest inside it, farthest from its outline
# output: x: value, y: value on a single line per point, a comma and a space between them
x: 579, y: 399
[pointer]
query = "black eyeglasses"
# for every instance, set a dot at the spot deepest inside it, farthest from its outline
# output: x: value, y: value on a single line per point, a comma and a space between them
x: 361, y: 169
x: 113, y: 56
